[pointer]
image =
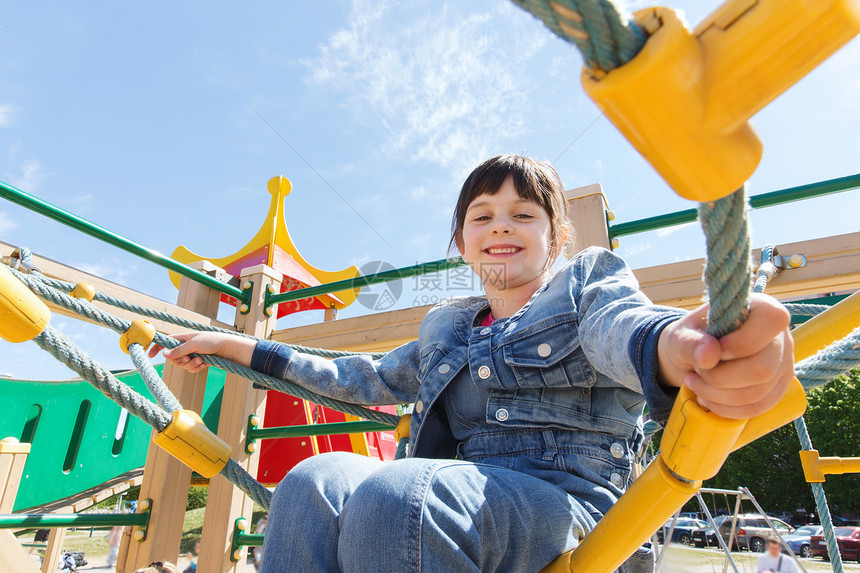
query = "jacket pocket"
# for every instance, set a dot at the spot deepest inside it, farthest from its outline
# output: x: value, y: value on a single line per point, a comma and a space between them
x: 549, y: 357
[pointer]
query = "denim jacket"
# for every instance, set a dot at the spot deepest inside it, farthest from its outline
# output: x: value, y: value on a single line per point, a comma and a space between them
x: 581, y: 355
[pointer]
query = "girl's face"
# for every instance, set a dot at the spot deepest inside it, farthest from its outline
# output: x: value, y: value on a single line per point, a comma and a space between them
x: 506, y: 239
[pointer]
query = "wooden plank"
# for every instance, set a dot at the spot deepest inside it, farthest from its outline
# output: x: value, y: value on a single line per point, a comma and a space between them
x: 13, y: 456
x: 833, y: 264
x: 226, y: 503
x: 586, y: 214
x: 54, y: 549
x: 66, y: 273
x: 13, y: 557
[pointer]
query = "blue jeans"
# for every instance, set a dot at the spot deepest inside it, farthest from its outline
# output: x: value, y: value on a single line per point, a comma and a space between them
x: 345, y: 512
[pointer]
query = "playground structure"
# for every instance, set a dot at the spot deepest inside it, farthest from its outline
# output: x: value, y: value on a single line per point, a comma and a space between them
x: 830, y: 265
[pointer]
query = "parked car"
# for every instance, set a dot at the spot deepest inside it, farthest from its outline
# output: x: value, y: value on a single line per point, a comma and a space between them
x: 683, y: 532
x: 752, y: 530
x: 799, y: 539
x: 847, y: 538
x: 706, y: 536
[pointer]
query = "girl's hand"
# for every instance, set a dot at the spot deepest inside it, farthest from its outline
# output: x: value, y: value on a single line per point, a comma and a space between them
x: 233, y: 348
x: 741, y: 375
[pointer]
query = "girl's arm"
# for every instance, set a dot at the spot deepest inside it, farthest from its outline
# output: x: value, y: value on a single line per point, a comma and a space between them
x: 356, y: 379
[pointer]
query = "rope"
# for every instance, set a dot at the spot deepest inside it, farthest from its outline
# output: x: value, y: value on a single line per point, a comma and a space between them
x: 821, y: 503
x: 766, y: 269
x: 835, y: 360
x: 65, y: 286
x: 237, y: 475
x: 803, y: 309
x: 727, y: 274
x: 119, y: 325
x: 156, y: 385
x: 606, y: 38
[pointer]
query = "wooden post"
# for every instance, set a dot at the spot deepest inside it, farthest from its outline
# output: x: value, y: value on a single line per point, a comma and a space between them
x: 166, y: 479
x: 226, y: 502
x: 586, y: 210
x: 54, y: 548
x: 13, y: 456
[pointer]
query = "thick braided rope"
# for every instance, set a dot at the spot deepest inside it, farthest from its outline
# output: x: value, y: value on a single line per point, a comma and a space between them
x: 803, y: 309
x: 65, y: 286
x: 156, y: 385
x: 237, y: 475
x: 821, y: 502
x: 727, y: 271
x: 606, y: 38
x: 61, y: 348
x: 835, y: 360
x: 119, y: 325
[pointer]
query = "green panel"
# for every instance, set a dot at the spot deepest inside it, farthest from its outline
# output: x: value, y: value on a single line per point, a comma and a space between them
x: 51, y: 432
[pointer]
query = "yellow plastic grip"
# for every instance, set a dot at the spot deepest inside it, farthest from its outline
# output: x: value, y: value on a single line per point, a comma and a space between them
x: 84, y: 290
x: 188, y: 440
x: 402, y: 429
x: 815, y: 467
x: 22, y: 315
x: 685, y: 99
x: 141, y: 332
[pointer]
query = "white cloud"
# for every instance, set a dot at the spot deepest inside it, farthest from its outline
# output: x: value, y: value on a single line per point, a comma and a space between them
x: 445, y: 94
x: 29, y: 178
x: 7, y: 114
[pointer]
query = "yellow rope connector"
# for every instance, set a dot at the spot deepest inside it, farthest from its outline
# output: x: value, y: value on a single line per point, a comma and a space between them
x: 402, y: 429
x: 815, y: 467
x: 685, y: 100
x: 188, y: 440
x: 141, y: 331
x: 22, y: 315
x: 84, y: 290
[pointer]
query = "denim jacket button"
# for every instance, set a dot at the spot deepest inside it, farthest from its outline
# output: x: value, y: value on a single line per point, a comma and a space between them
x: 616, y: 480
x: 444, y: 369
x: 544, y: 350
x: 484, y: 372
x: 617, y: 450
x: 486, y: 330
x: 502, y: 415
x: 419, y: 406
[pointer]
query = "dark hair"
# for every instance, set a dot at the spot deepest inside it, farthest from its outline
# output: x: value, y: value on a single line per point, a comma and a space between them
x: 533, y: 180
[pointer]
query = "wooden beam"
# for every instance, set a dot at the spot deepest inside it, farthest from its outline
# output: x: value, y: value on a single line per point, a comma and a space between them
x: 66, y: 273
x: 833, y: 264
x: 226, y: 502
x: 13, y: 557
x: 586, y: 216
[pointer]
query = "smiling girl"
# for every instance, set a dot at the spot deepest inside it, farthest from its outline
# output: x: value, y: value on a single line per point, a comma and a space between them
x: 527, y: 401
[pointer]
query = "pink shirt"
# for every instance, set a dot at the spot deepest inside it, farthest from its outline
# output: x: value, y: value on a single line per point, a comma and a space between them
x: 488, y: 320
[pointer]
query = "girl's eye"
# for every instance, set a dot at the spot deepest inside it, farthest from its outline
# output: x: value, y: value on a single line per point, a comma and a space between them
x: 481, y: 218
x: 524, y: 216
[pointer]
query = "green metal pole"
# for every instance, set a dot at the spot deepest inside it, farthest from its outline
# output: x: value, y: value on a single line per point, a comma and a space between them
x: 756, y: 202
x: 364, y: 280
x: 33, y: 203
x: 249, y: 540
x: 50, y: 520
x: 334, y: 428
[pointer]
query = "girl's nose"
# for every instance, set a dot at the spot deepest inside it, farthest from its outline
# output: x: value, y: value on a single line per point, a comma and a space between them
x: 501, y: 227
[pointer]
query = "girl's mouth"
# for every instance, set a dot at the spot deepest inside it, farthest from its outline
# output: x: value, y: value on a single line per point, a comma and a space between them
x: 502, y: 250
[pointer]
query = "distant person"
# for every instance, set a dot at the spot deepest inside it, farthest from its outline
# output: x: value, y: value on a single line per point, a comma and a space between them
x: 192, y: 557
x: 775, y: 562
x: 67, y: 563
x: 258, y: 551
x: 114, y: 538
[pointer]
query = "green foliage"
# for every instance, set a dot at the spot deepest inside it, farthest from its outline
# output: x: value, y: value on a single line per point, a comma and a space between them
x: 770, y: 466
x: 197, y: 496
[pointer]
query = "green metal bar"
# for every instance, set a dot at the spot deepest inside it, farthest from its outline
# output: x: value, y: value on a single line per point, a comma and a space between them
x: 249, y: 540
x: 334, y: 428
x: 364, y: 280
x: 756, y: 202
x: 33, y: 203
x: 50, y: 520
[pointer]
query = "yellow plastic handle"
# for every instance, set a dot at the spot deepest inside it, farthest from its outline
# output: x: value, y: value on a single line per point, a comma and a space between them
x: 187, y: 439
x: 22, y: 315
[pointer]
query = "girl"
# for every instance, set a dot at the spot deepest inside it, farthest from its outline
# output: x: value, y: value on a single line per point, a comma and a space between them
x: 527, y: 401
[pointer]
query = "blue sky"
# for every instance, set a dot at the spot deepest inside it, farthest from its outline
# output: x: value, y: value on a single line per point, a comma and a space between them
x: 164, y: 122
